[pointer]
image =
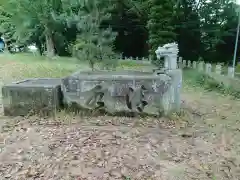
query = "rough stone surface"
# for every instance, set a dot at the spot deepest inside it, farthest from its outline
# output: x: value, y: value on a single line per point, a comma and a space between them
x: 41, y: 96
x: 124, y: 91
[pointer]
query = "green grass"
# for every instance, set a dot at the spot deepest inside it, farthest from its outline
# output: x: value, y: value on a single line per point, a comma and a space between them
x: 212, y: 82
x: 20, y: 66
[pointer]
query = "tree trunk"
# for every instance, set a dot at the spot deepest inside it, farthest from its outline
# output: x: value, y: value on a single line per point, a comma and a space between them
x: 50, y: 45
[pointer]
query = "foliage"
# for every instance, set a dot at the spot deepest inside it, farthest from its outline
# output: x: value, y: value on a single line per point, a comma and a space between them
x: 93, y: 43
x: 204, y: 29
x: 159, y: 24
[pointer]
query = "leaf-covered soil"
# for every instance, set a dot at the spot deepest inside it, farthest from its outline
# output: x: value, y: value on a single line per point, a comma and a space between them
x: 201, y: 143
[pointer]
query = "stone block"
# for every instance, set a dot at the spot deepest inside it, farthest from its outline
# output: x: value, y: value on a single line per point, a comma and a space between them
x: 32, y: 96
x: 189, y: 64
x: 121, y: 91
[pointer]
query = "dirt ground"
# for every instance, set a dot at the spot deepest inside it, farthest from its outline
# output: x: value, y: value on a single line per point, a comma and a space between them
x: 202, y: 143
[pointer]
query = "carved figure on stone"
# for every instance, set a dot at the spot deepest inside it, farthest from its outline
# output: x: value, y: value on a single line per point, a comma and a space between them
x: 170, y: 53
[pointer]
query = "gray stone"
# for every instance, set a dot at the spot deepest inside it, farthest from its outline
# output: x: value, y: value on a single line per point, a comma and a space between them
x: 40, y: 96
x: 122, y: 91
x: 189, y: 64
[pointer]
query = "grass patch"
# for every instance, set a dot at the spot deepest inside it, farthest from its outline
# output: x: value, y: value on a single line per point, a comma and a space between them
x: 212, y: 82
x: 24, y: 65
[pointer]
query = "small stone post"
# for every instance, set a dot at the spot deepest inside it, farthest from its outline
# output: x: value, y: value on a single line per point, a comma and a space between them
x: 218, y: 69
x: 194, y: 65
x: 208, y: 68
x: 136, y: 58
x: 184, y: 63
x: 143, y: 59
x: 180, y: 62
x: 200, y: 66
x: 189, y: 64
x: 231, y: 72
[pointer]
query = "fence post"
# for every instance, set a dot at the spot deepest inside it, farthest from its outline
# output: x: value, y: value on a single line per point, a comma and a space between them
x: 194, y: 65
x: 180, y: 62
x: 184, y: 63
x: 200, y: 66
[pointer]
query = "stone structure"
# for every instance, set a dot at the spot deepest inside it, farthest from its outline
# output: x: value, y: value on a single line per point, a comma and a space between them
x: 119, y: 91
x: 208, y: 68
x: 218, y: 69
x: 42, y: 96
x: 189, y: 64
x: 116, y: 91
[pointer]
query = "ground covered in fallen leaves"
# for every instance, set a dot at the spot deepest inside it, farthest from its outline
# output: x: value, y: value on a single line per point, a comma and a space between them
x: 201, y: 143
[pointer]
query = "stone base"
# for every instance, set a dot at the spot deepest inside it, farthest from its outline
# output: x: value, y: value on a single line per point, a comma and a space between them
x: 32, y: 96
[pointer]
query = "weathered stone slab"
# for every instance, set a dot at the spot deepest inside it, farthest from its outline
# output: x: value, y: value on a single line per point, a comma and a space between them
x: 129, y: 91
x: 38, y: 96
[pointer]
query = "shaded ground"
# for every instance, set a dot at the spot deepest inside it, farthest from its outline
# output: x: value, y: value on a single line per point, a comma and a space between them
x: 202, y: 143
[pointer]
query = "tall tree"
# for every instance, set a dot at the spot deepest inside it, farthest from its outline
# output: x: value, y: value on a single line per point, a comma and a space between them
x: 160, y: 27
